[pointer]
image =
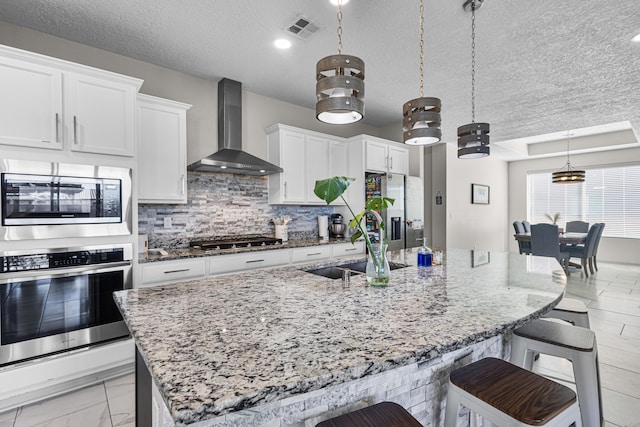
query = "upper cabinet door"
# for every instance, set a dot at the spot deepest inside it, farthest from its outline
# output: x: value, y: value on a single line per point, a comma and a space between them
x: 398, y: 160
x: 317, y: 165
x: 162, y: 150
x: 376, y: 156
x: 31, y: 107
x: 292, y: 155
x: 99, y: 115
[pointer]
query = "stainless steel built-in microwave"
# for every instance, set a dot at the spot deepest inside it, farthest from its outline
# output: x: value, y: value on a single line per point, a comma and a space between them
x: 50, y: 200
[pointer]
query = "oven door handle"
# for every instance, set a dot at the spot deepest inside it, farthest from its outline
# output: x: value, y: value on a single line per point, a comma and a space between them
x: 63, y: 272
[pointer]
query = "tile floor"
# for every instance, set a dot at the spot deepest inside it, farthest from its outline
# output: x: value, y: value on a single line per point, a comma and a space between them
x: 612, y: 296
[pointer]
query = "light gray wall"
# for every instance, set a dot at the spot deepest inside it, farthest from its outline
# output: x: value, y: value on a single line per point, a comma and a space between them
x: 610, y: 249
x: 476, y: 226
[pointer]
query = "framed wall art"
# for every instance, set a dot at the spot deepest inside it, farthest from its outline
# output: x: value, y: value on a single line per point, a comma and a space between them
x: 479, y: 194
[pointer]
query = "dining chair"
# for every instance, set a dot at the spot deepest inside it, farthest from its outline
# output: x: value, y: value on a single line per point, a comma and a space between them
x: 545, y: 241
x: 523, y: 247
x: 527, y: 226
x: 585, y: 252
x: 577, y: 227
x: 595, y: 248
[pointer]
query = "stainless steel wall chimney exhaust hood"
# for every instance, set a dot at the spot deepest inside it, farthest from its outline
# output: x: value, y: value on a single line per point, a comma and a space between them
x: 230, y: 158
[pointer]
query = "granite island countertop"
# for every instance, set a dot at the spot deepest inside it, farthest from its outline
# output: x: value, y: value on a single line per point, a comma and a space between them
x: 223, y: 344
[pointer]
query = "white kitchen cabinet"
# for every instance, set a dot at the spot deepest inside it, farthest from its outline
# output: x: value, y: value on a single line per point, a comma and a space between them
x: 381, y: 156
x: 347, y: 249
x: 61, y: 105
x: 248, y: 261
x: 310, y: 253
x: 339, y: 159
x: 31, y: 109
x: 162, y: 150
x: 305, y: 157
x: 100, y: 115
x: 398, y: 160
x: 163, y: 272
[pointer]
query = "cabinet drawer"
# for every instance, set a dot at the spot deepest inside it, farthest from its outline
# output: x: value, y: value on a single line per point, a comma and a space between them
x: 172, y: 271
x: 346, y: 249
x: 248, y: 261
x: 310, y: 253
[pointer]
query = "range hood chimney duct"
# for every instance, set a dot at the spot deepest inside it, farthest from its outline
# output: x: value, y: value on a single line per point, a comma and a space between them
x: 230, y: 158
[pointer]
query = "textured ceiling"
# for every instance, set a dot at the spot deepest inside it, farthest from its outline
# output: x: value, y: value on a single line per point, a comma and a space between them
x: 542, y: 66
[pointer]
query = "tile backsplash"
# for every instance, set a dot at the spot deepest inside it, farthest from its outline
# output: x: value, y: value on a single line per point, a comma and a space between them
x: 220, y: 205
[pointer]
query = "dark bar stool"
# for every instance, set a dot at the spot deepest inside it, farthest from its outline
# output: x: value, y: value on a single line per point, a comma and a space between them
x: 573, y: 343
x: 510, y: 396
x: 571, y: 310
x: 384, y: 414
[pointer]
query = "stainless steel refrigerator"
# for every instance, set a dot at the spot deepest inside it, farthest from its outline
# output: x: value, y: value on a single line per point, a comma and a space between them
x: 392, y: 186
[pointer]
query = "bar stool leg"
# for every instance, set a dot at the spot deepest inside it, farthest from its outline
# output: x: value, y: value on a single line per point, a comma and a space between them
x: 453, y: 406
x: 588, y: 389
x: 520, y: 355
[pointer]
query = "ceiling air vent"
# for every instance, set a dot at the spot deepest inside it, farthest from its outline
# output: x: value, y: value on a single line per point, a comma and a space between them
x: 302, y: 27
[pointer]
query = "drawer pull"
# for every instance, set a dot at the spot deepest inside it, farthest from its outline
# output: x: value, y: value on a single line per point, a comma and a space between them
x: 254, y: 260
x: 315, y: 253
x: 177, y: 271
x: 350, y: 249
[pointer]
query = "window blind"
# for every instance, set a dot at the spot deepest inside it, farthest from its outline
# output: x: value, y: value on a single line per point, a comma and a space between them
x: 609, y: 195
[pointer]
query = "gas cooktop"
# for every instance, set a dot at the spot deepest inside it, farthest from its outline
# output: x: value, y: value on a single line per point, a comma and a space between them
x: 231, y: 243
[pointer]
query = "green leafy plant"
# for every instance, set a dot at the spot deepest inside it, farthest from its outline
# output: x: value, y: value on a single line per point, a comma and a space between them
x: 554, y: 219
x: 331, y: 188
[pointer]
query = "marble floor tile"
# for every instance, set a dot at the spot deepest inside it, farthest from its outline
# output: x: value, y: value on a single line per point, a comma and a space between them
x: 600, y: 325
x: 8, y: 416
x: 620, y: 358
x: 620, y: 409
x: 631, y: 331
x: 618, y: 342
x: 121, y: 398
x: 620, y: 380
x: 626, y: 319
x: 60, y: 406
x: 617, y: 305
x: 94, y: 416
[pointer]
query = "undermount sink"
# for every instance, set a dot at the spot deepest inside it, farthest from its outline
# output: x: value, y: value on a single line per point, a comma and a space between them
x: 335, y: 271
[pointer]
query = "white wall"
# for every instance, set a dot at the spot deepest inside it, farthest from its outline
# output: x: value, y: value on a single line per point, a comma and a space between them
x: 611, y: 249
x: 476, y: 226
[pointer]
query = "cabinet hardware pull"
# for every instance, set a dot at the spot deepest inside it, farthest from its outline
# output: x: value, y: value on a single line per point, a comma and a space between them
x: 57, y: 128
x: 285, y: 189
x: 350, y: 249
x: 75, y: 130
x: 315, y: 253
x: 391, y: 158
x: 183, y: 183
x: 177, y: 271
x: 254, y: 260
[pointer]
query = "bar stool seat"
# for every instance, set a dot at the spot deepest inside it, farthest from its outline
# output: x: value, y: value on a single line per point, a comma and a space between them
x: 573, y: 343
x: 508, y: 395
x: 383, y: 414
x: 571, y: 310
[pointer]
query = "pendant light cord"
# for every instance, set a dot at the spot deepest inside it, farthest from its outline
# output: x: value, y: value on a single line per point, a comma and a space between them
x: 339, y: 27
x: 473, y: 61
x: 421, y: 49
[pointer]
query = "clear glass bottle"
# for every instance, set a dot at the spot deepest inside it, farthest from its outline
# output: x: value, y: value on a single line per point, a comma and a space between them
x: 424, y: 254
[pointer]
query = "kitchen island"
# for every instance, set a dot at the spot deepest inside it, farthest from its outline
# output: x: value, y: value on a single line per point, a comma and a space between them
x: 286, y: 347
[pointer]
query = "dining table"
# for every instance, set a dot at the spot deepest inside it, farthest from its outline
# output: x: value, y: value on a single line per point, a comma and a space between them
x: 565, y: 238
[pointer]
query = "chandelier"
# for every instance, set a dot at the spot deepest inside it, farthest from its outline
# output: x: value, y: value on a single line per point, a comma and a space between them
x: 568, y: 175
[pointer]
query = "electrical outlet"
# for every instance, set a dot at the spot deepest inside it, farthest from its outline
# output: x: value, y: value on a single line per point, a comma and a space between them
x: 167, y: 222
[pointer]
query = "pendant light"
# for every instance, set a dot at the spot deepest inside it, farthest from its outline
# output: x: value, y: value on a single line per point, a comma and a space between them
x: 473, y: 139
x: 340, y: 85
x: 570, y: 175
x: 421, y: 116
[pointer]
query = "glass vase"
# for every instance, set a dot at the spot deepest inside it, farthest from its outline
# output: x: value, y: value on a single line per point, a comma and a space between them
x: 378, y: 271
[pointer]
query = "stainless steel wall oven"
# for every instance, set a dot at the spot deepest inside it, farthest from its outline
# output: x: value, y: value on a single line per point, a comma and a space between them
x: 52, y: 200
x: 54, y: 300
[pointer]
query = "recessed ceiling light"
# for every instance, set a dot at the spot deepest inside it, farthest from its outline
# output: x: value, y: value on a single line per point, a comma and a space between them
x: 636, y: 38
x: 335, y: 2
x: 282, y: 44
